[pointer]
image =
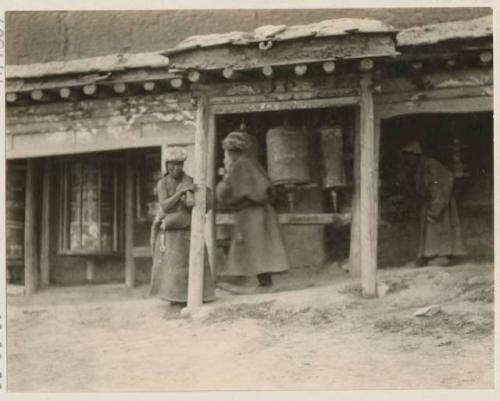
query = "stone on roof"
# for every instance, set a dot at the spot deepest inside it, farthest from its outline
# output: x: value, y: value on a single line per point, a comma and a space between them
x: 435, y: 33
x: 332, y: 27
x: 113, y: 62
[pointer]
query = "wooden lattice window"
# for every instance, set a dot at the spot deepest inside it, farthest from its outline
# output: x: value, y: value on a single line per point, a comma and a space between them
x: 91, y: 199
x: 15, y: 200
x: 148, y: 169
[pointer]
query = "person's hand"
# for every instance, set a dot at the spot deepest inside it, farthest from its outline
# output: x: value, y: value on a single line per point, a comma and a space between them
x: 431, y: 219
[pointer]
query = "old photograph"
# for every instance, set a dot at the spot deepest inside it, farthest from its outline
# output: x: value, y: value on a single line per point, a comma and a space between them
x: 249, y: 199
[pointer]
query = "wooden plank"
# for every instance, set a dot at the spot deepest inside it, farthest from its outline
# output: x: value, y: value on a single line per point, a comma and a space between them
x: 285, y: 105
x: 46, y: 226
x: 439, y: 80
x: 197, y: 245
x: 286, y: 52
x: 464, y: 105
x: 434, y: 94
x: 129, y: 221
x: 368, y: 181
x: 274, y: 97
x: 336, y: 220
x: 210, y: 237
x: 355, y: 243
x: 31, y: 277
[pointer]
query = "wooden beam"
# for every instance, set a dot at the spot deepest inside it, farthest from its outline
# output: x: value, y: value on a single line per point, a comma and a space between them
x: 366, y: 64
x: 486, y: 58
x: 329, y: 67
x: 268, y: 71
x: 129, y: 220
x: 195, y: 76
x: 68, y: 94
x: 231, y: 74
x: 31, y: 278
x: 368, y: 192
x: 300, y: 70
x: 41, y: 96
x: 355, y: 243
x: 336, y: 220
x: 46, y: 227
x: 90, y: 90
x: 11, y: 97
x: 120, y: 88
x: 178, y: 83
x: 210, y: 239
x: 197, y: 245
x: 150, y: 87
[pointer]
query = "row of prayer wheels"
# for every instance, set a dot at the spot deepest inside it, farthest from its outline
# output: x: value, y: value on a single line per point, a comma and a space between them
x: 288, y: 158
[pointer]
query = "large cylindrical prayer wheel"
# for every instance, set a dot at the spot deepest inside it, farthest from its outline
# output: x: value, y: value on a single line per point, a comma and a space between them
x: 332, y: 157
x: 15, y: 199
x: 288, y: 155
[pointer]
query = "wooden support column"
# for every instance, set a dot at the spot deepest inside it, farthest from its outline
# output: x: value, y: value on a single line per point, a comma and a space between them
x: 197, y: 246
x: 211, y: 239
x: 129, y: 221
x: 31, y: 277
x: 45, y: 236
x: 355, y: 251
x: 368, y: 190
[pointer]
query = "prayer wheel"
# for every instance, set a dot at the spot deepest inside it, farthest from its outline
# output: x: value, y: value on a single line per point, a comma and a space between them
x: 332, y: 154
x: 288, y: 158
x: 288, y: 155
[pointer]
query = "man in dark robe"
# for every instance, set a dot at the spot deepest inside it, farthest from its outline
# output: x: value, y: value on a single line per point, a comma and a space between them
x: 171, y: 234
x: 440, y: 236
x: 257, y: 247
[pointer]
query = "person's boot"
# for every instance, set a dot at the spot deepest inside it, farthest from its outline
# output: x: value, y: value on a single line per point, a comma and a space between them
x: 439, y: 261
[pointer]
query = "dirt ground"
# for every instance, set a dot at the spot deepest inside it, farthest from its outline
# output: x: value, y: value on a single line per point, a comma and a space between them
x: 315, y: 332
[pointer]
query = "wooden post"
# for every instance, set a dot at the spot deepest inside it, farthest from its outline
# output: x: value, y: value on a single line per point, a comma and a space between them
x: 45, y: 239
x: 129, y: 221
x: 211, y: 239
x: 197, y: 246
x: 30, y: 228
x: 355, y: 251
x: 368, y: 190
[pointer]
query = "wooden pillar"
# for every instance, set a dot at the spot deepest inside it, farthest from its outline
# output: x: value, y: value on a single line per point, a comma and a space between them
x: 368, y: 190
x: 355, y: 251
x: 129, y: 221
x: 197, y: 246
x: 30, y: 228
x: 211, y: 239
x: 45, y: 236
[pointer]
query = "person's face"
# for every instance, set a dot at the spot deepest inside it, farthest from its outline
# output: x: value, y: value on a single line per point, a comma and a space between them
x: 175, y: 169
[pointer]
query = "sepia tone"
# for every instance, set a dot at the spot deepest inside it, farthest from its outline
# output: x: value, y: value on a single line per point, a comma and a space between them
x: 330, y: 172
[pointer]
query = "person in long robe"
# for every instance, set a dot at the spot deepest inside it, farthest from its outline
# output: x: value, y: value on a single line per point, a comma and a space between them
x: 171, y: 234
x: 257, y: 247
x: 440, y: 237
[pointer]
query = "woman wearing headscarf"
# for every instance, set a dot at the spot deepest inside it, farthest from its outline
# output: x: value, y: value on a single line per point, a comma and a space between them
x: 257, y: 247
x: 171, y: 234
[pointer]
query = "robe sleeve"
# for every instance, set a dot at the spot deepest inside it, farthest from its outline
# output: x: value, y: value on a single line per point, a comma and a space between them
x: 245, y: 180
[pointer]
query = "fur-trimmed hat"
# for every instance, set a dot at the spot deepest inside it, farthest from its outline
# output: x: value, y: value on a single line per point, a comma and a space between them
x: 175, y: 154
x: 236, y: 140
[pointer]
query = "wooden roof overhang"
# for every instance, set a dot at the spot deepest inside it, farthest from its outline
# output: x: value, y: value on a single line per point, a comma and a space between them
x: 443, y: 67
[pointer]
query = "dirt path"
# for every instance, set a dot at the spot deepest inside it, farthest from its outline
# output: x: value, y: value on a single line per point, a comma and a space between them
x: 321, y: 337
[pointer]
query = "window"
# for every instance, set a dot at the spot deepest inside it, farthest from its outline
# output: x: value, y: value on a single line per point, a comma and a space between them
x: 148, y: 169
x: 91, y: 198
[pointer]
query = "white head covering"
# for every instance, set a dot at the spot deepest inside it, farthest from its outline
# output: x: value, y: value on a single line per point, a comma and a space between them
x: 412, y: 147
x: 175, y: 154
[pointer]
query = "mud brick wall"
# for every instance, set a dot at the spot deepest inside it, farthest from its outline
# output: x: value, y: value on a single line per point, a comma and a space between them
x: 51, y: 36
